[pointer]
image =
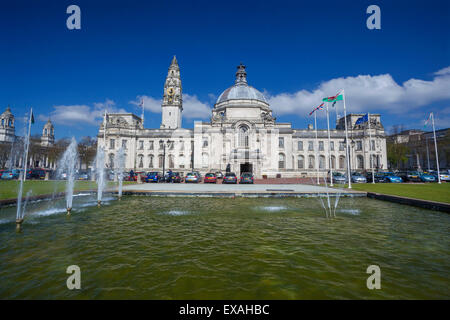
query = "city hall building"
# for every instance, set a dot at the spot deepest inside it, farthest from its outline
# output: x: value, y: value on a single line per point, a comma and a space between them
x: 241, y: 136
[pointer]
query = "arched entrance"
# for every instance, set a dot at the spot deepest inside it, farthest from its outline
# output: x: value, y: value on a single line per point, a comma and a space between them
x: 246, y: 167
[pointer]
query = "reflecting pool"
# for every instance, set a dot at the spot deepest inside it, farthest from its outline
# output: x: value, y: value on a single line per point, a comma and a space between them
x: 218, y: 248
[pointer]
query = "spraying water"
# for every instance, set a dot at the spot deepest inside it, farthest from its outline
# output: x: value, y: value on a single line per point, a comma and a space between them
x: 20, y: 213
x: 100, y: 173
x: 67, y: 165
x: 119, y: 166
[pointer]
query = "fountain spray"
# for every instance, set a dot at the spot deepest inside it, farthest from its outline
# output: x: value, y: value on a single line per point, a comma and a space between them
x: 100, y: 170
x: 67, y: 164
x: 119, y: 166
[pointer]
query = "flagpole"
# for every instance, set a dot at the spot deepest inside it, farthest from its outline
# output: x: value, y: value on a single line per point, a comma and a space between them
x: 328, y: 149
x: 428, y: 154
x: 346, y: 144
x: 435, y: 148
x: 317, y: 144
x: 370, y: 149
x: 104, y: 131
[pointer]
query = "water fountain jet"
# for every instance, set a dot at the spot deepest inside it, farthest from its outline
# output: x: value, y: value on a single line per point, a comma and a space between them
x: 119, y: 168
x: 100, y: 173
x: 67, y: 164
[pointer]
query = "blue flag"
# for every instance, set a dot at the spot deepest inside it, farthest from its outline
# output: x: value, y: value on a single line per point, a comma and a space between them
x: 363, y: 119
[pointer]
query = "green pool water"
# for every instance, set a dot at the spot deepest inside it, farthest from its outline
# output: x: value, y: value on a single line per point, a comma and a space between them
x: 206, y: 248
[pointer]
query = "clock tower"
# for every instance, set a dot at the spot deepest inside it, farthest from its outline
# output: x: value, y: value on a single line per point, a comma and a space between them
x: 172, y: 105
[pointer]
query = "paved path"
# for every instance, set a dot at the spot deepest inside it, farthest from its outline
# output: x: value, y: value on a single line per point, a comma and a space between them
x: 233, y: 189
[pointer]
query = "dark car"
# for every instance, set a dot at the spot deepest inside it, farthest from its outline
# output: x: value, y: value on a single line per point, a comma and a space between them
x: 176, y: 177
x: 83, y: 175
x: 246, y: 177
x: 230, y: 177
x: 154, y: 176
x: 36, y: 174
x: 391, y: 177
x: 210, y: 178
x: 379, y: 177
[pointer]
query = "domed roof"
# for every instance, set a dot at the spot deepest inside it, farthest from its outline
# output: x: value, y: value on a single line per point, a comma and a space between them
x: 7, y: 113
x: 48, y: 124
x: 241, y: 90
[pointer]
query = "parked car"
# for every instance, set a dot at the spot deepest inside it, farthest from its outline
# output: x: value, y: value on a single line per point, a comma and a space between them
x: 391, y: 177
x: 210, y: 178
x: 83, y: 175
x: 339, y: 178
x: 176, y: 177
x: 246, y: 177
x: 412, y: 176
x: 426, y: 177
x: 445, y: 176
x: 192, y: 177
x: 36, y: 174
x: 199, y: 176
x: 230, y: 177
x: 358, y: 178
x: 379, y: 177
x: 153, y: 176
x: 12, y: 174
x: 219, y: 175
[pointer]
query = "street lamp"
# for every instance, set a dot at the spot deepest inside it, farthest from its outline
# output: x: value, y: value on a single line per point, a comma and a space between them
x: 161, y: 142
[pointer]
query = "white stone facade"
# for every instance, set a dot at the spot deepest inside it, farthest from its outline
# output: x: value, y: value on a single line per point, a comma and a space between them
x: 242, y: 136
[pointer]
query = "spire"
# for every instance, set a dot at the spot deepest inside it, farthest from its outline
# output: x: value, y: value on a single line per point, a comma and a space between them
x: 241, y: 75
x: 174, y: 61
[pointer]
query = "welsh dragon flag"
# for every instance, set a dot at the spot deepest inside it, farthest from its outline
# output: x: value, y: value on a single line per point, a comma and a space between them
x: 335, y: 98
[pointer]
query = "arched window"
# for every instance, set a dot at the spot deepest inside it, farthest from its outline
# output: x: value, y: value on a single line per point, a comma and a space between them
x: 342, y: 162
x: 45, y: 131
x: 300, y: 162
x: 333, y: 162
x: 322, y: 162
x: 141, y: 161
x: 281, y: 161
x: 311, y: 162
x: 171, y: 162
x: 150, y: 161
x: 360, y: 162
x: 9, y: 123
x: 3, y: 122
x: 160, y: 161
x: 243, y: 136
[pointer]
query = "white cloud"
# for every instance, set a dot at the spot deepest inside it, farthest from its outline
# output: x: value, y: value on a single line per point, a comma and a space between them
x: 368, y: 93
x: 192, y: 106
x: 75, y: 115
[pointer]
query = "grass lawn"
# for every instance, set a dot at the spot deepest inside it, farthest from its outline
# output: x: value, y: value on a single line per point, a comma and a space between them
x: 424, y: 191
x: 10, y: 188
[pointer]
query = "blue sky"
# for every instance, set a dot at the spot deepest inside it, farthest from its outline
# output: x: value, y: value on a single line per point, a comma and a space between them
x: 295, y: 52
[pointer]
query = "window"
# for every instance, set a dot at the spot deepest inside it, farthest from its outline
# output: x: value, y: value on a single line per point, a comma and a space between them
x: 358, y: 145
x: 150, y: 147
x: 311, y: 162
x: 112, y: 143
x: 333, y: 162
x: 310, y: 145
x: 341, y: 146
x: 150, y: 161
x: 181, y: 161
x: 181, y: 145
x: 342, y: 162
x: 360, y: 162
x: 281, y: 142
x: 332, y: 145
x: 300, y: 162
x: 205, y: 160
x: 205, y: 142
x: 160, y: 161
x: 124, y: 144
x: 171, y: 145
x: 321, y: 162
x: 171, y: 161
x: 243, y: 136
x: 300, y: 145
x: 321, y: 146
x: 3, y: 122
x: 281, y: 161
x: 372, y: 145
x: 161, y: 145
x: 45, y: 132
x: 141, y: 145
x: 141, y: 161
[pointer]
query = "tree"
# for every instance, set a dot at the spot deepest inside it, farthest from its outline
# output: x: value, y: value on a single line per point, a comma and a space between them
x: 396, y: 153
x: 87, y: 149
